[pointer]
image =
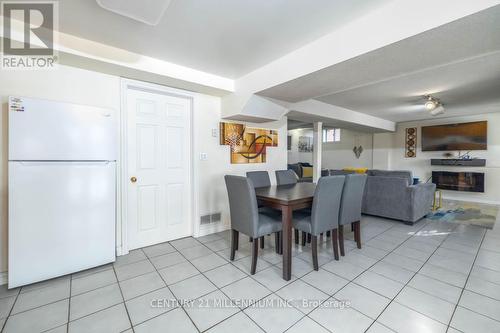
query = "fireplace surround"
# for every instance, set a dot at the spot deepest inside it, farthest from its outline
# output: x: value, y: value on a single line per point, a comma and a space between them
x: 459, y: 181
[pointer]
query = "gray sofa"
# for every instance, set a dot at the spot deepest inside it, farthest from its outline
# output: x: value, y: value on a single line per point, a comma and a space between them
x: 337, y: 172
x: 297, y: 168
x: 391, y: 194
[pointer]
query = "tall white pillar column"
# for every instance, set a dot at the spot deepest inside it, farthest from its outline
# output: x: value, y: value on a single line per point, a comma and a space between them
x: 317, y: 149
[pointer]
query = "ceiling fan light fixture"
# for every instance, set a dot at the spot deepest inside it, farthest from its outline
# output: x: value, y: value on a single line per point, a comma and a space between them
x: 431, y: 104
x: 438, y: 110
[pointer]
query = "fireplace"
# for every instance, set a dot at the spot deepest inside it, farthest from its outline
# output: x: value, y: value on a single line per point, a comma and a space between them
x: 459, y: 181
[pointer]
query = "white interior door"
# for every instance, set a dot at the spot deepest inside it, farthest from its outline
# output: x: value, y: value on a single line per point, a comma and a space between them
x: 159, y: 164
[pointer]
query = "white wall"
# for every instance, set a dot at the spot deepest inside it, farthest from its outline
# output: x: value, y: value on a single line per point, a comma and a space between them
x: 391, y: 148
x: 336, y: 155
x: 64, y: 84
x: 339, y: 155
x: 75, y: 85
x: 294, y: 156
x: 213, y: 194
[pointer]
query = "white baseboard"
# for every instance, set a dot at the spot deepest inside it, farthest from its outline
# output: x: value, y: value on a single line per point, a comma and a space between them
x: 211, y: 228
x: 3, y: 278
x: 487, y: 202
x: 120, y: 251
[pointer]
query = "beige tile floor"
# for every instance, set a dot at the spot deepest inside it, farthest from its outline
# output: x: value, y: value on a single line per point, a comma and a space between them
x: 430, y: 277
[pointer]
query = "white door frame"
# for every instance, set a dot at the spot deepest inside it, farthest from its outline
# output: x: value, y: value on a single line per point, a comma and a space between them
x: 122, y: 216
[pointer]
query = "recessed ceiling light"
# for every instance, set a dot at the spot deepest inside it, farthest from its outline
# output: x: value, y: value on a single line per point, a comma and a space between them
x: 145, y: 11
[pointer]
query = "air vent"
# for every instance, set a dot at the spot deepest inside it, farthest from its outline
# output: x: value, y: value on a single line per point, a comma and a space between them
x: 216, y: 217
x: 210, y: 218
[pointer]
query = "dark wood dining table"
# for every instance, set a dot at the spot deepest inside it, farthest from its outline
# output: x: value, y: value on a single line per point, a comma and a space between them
x: 287, y: 198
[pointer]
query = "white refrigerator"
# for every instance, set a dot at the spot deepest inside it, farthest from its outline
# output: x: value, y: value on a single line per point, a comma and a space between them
x: 62, y: 188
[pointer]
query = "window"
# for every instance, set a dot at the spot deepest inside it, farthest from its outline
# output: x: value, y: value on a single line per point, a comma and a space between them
x: 331, y: 135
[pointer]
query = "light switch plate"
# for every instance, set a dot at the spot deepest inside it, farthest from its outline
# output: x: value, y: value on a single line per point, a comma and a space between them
x: 203, y: 156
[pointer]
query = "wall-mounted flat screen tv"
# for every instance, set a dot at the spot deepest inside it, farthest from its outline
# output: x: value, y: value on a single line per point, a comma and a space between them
x: 464, y: 136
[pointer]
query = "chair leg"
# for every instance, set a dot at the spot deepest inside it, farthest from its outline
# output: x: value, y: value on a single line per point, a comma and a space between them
x: 352, y: 227
x: 309, y: 238
x: 255, y: 253
x: 314, y: 246
x: 357, y: 233
x: 303, y: 238
x: 234, y: 242
x: 277, y: 242
x: 250, y: 239
x: 262, y: 242
x: 335, y: 245
x: 296, y: 237
x: 328, y: 234
x: 341, y: 240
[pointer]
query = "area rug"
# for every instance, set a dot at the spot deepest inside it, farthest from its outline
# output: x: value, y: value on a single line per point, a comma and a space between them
x: 471, y: 213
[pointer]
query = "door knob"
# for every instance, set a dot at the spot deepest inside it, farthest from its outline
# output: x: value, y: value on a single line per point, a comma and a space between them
x: 133, y: 179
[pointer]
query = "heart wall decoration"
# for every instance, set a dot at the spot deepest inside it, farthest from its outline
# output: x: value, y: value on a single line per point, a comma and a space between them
x: 357, y: 151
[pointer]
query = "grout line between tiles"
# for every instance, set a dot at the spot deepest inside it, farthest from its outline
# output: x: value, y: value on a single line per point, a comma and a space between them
x: 466, y: 281
x: 277, y: 265
x: 10, y: 311
x: 332, y: 296
x: 123, y: 298
x: 404, y: 284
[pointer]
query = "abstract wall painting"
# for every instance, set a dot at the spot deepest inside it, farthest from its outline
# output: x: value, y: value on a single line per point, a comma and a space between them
x: 305, y: 144
x: 248, y: 145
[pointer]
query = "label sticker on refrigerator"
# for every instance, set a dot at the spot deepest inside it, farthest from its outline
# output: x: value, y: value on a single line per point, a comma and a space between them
x: 16, y: 104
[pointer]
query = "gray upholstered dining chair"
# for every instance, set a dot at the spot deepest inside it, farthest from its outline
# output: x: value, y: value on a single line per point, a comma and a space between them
x: 289, y: 177
x: 245, y: 216
x: 325, y: 214
x: 286, y: 177
x: 350, y: 207
x: 261, y: 179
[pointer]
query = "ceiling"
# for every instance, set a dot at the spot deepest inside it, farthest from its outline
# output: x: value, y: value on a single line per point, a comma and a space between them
x: 471, y: 86
x: 297, y: 124
x: 297, y: 119
x: 458, y: 63
x: 225, y: 37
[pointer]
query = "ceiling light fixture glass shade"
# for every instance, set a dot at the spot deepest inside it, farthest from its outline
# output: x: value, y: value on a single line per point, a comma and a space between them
x: 438, y: 110
x: 431, y: 104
